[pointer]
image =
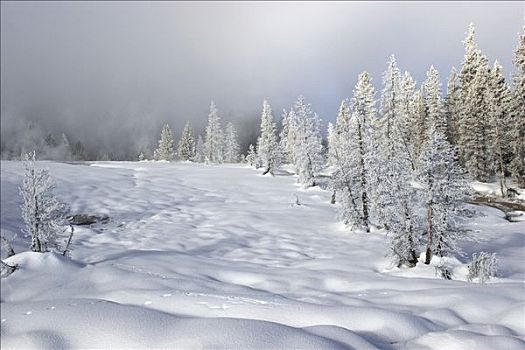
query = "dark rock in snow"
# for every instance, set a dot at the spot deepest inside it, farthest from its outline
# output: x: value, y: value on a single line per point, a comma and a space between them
x: 515, y: 216
x: 84, y: 219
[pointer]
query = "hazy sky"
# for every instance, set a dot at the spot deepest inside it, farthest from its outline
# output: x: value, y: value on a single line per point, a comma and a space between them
x: 90, y: 67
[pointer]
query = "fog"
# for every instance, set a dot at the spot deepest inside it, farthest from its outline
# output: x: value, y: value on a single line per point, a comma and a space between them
x: 111, y: 73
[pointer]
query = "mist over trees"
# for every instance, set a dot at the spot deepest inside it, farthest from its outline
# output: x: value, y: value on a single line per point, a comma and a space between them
x: 480, y: 113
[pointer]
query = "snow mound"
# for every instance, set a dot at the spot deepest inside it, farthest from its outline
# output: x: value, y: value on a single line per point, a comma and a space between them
x: 40, y: 262
x: 91, y: 323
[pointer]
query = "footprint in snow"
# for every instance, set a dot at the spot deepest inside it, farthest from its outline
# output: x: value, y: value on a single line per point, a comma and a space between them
x: 51, y: 308
x: 166, y: 295
x: 29, y: 312
x: 148, y: 302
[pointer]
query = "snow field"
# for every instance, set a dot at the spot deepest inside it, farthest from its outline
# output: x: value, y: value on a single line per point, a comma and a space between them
x: 200, y: 256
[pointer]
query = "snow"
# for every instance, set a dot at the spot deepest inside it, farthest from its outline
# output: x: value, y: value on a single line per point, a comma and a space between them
x: 205, y: 256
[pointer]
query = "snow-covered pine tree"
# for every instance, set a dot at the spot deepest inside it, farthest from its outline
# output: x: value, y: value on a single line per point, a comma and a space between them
x: 42, y: 213
x: 469, y: 67
x: 200, y: 155
x: 399, y: 214
x: 408, y: 115
x: 445, y: 190
x: 337, y: 132
x: 186, y: 147
x: 231, y: 145
x: 165, y: 149
x: 251, y: 157
x: 475, y: 130
x: 338, y: 141
x: 452, y: 107
x: 214, y: 139
x: 385, y: 139
x: 50, y: 141
x: 332, y: 145
x: 392, y: 167
x: 434, y: 106
x: 500, y: 123
x: 389, y: 108
x: 517, y: 132
x: 351, y: 178
x: 308, y: 143
x: 421, y: 125
x: 78, y: 151
x: 267, y: 144
x: 345, y: 179
x: 342, y: 122
x: 287, y: 136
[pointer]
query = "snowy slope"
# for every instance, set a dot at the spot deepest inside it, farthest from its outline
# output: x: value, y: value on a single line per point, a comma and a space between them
x: 202, y: 256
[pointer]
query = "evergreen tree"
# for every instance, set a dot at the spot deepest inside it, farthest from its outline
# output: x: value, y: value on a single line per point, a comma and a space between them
x: 469, y: 67
x: 517, y: 131
x: 392, y: 166
x: 476, y: 134
x: 477, y: 131
x: 332, y: 145
x: 445, y: 190
x: 50, y: 141
x: 337, y: 132
x: 351, y: 179
x: 500, y: 123
x: 389, y: 109
x: 452, y: 107
x: 287, y: 136
x: 165, y: 149
x: 231, y: 146
x: 268, y: 150
x: 42, y: 213
x: 307, y: 144
x: 200, y: 155
x: 420, y: 126
x: 434, y: 106
x: 345, y: 180
x: 78, y: 151
x: 342, y: 123
x: 385, y: 138
x: 408, y: 116
x: 251, y: 157
x: 186, y: 147
x: 214, y: 140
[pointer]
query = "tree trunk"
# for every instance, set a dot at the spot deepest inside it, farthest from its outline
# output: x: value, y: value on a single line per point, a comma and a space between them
x: 428, y: 256
x: 502, y: 182
x: 413, y: 257
x: 364, y: 197
x: 332, y: 200
x: 36, y: 245
x: 66, y: 250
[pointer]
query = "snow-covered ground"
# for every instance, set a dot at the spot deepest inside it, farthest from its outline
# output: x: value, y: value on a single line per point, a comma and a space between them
x: 221, y: 257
